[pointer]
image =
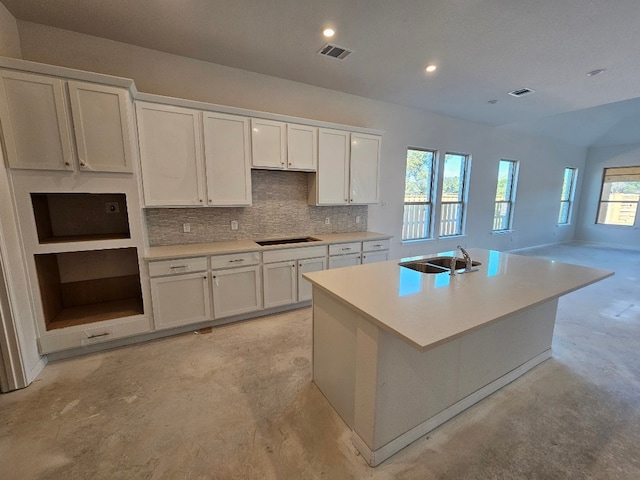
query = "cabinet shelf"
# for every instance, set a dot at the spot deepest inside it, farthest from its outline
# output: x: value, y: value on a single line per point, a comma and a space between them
x: 96, y: 312
x: 79, y: 288
x: 78, y: 217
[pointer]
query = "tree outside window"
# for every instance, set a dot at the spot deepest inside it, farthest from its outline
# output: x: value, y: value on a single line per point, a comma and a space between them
x: 418, y: 194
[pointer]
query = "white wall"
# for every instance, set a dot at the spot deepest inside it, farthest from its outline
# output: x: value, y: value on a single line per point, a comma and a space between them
x: 542, y: 161
x: 597, y: 160
x: 9, y: 38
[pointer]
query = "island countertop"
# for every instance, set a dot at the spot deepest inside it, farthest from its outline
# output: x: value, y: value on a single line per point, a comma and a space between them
x: 427, y: 310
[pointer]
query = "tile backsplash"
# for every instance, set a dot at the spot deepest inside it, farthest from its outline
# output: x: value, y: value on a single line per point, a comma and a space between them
x: 279, y: 210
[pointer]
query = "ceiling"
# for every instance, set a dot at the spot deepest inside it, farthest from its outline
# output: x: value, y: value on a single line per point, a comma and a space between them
x: 483, y: 49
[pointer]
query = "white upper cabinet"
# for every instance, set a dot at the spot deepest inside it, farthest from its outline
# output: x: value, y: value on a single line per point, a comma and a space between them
x: 34, y: 122
x: 227, y: 159
x: 37, y: 125
x: 268, y: 144
x: 348, y: 169
x: 302, y: 147
x: 189, y: 157
x: 101, y: 126
x: 283, y: 146
x: 170, y: 155
x: 365, y: 160
x: 332, y: 179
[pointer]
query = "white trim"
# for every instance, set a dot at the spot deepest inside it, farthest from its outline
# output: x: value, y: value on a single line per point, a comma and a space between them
x: 376, y: 457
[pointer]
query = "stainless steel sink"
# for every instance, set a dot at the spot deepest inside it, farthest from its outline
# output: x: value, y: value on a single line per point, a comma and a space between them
x: 286, y: 241
x: 435, y: 265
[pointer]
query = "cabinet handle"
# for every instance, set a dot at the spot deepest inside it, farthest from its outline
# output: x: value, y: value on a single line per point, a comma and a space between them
x: 98, y: 335
x: 237, y: 260
x: 377, y: 246
x: 82, y: 164
x: 67, y: 164
x: 200, y: 200
x: 178, y: 266
x: 347, y: 249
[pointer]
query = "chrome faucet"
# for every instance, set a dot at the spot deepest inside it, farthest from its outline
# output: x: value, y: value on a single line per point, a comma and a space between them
x: 467, y: 258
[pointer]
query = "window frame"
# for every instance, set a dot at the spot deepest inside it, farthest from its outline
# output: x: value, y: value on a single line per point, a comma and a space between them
x: 570, y: 196
x: 601, y: 201
x: 428, y: 203
x: 512, y: 181
x: 463, y: 196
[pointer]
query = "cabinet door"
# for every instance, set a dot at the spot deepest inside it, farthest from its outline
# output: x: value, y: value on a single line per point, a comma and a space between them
x: 344, y: 261
x: 268, y: 144
x: 373, y: 257
x: 302, y: 147
x: 170, y: 155
x: 333, y: 167
x: 236, y: 291
x: 279, y: 283
x: 35, y: 122
x: 101, y: 124
x: 227, y: 159
x: 306, y: 266
x: 365, y: 160
x: 180, y: 300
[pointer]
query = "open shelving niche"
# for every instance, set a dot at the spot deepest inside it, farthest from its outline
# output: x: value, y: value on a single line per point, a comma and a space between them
x: 83, y: 287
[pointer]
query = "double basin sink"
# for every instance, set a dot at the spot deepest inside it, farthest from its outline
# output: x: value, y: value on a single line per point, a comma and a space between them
x: 436, y: 265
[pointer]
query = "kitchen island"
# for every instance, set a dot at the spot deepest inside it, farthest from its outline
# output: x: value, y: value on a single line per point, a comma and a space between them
x: 398, y: 352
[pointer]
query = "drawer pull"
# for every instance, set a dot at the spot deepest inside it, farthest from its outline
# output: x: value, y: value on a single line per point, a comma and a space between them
x: 377, y: 246
x: 237, y: 260
x: 176, y: 267
x: 98, y: 335
x: 347, y: 249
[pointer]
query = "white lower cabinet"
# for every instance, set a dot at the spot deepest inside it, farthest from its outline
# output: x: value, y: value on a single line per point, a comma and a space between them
x: 373, y: 257
x: 344, y: 254
x: 279, y: 283
x: 375, y: 251
x: 236, y: 291
x: 306, y: 266
x: 282, y: 272
x: 180, y: 300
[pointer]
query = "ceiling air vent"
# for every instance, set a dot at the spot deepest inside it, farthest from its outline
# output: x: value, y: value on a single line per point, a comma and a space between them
x: 521, y: 92
x: 334, y: 51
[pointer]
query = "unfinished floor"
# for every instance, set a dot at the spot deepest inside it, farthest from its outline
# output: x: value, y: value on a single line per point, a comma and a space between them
x: 239, y: 403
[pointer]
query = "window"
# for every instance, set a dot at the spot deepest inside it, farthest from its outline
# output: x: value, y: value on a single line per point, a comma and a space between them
x: 620, y: 196
x: 505, y: 195
x: 453, y: 194
x: 418, y: 194
x: 566, y: 197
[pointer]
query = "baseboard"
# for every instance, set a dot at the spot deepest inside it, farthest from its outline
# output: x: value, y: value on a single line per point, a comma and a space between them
x: 376, y: 457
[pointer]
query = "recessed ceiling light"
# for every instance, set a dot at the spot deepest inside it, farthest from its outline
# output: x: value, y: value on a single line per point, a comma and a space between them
x: 598, y: 71
x: 431, y: 68
x: 328, y: 32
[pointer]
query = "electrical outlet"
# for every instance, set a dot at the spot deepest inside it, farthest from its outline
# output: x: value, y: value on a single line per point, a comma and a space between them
x: 234, y: 224
x: 327, y: 221
x: 112, y: 207
x: 357, y: 218
x: 186, y: 227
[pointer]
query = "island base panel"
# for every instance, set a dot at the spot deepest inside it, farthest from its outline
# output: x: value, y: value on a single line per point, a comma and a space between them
x: 390, y: 393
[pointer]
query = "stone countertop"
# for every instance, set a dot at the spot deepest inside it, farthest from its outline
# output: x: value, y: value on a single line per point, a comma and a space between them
x: 169, y: 252
x: 426, y: 310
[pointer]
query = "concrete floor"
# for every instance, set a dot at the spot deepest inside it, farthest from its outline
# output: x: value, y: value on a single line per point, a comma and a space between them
x: 238, y: 403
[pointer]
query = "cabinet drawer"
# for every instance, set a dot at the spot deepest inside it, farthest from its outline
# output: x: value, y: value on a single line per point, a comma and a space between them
x: 176, y: 266
x: 75, y: 337
x: 344, y: 248
x: 299, y: 253
x: 235, y: 260
x: 374, y: 245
